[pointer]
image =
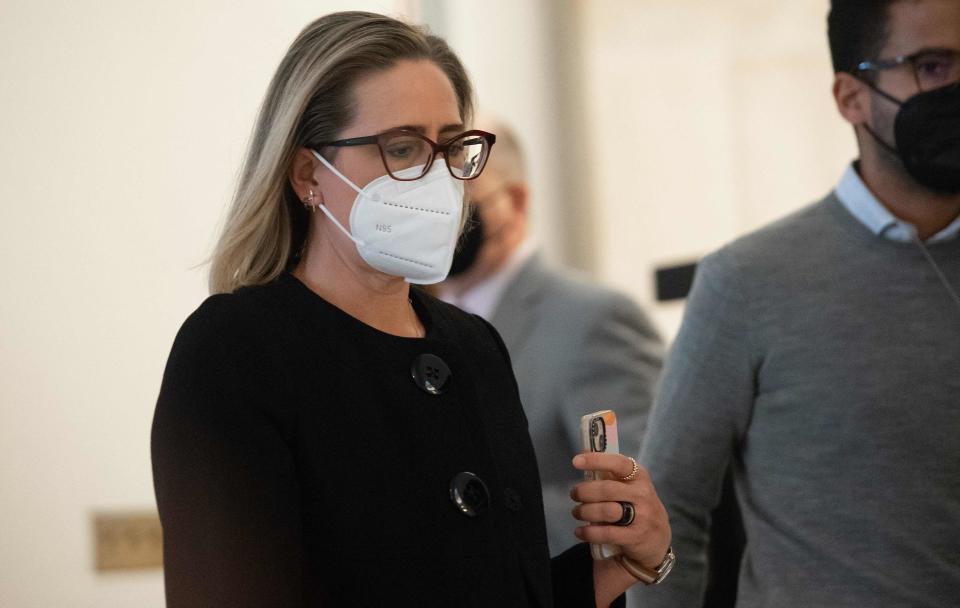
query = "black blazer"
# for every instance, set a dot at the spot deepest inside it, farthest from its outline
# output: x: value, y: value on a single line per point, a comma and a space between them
x: 297, y: 462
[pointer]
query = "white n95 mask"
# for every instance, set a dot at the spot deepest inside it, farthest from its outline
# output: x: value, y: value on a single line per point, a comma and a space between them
x: 406, y: 229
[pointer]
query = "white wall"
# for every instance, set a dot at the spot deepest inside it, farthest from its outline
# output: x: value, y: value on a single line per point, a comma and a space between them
x: 707, y: 120
x: 507, y: 47
x: 122, y: 125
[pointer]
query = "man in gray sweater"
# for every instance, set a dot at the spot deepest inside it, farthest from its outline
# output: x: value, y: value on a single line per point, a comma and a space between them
x: 820, y: 356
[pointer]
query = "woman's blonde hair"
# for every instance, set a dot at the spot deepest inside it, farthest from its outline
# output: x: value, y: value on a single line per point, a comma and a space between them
x: 310, y: 100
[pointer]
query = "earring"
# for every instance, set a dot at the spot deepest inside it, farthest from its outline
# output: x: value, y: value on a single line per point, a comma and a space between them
x: 308, y: 203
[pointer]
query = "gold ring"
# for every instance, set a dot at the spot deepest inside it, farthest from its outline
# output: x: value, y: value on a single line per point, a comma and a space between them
x: 633, y: 473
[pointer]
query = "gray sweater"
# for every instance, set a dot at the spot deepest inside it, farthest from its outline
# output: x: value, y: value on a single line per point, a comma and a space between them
x: 823, y: 363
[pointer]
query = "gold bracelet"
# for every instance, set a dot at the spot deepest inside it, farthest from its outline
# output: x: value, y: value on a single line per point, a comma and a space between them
x: 645, y: 575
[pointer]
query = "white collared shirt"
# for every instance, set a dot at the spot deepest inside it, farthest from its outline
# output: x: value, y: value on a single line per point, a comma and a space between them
x: 482, y: 299
x: 864, y: 206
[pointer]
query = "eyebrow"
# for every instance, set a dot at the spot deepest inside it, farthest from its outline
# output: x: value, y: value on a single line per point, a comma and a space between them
x: 445, y: 129
x: 932, y: 49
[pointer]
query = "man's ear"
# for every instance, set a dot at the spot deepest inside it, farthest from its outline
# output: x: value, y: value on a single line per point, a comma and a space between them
x: 852, y: 97
x: 302, y: 175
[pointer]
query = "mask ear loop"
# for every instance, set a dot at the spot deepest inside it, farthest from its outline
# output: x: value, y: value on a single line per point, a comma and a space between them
x: 880, y: 140
x: 324, y: 208
x: 892, y: 149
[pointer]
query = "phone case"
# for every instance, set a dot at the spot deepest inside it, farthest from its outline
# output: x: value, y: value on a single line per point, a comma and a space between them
x: 598, y: 433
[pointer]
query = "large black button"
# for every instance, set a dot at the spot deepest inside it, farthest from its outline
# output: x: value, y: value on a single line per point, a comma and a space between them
x: 469, y: 494
x: 430, y: 373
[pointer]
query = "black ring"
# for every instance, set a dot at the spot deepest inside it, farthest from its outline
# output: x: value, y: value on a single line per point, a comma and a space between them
x: 628, y: 514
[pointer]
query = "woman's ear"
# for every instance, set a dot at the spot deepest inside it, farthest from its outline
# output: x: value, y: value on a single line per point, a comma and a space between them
x: 303, y: 176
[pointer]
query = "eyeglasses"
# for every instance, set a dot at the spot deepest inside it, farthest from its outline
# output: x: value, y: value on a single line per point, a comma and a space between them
x: 401, y: 149
x: 932, y: 69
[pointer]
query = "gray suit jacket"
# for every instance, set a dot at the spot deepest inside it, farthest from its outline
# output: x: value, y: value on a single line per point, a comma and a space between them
x: 576, y: 348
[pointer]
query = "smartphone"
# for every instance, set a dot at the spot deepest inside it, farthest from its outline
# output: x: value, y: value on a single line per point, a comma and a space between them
x: 598, y: 433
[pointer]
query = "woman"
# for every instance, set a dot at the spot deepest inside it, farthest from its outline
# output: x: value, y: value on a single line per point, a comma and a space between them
x: 324, y: 434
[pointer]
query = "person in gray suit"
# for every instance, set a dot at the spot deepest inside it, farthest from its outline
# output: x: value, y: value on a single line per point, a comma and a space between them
x: 576, y: 347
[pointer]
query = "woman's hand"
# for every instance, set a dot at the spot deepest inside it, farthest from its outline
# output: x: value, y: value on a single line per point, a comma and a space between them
x: 647, y: 538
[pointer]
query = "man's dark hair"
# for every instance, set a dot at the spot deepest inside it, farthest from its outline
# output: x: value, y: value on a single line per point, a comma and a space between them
x: 857, y: 30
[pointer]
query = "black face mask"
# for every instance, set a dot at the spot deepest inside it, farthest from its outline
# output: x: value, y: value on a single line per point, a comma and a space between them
x: 927, y: 132
x: 470, y: 243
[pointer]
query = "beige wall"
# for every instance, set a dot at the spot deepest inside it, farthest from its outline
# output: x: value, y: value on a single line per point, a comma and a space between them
x: 507, y: 47
x: 708, y: 119
x: 122, y: 124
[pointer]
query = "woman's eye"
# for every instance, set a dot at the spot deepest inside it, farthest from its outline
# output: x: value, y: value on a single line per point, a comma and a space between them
x: 400, y: 151
x: 403, y: 148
